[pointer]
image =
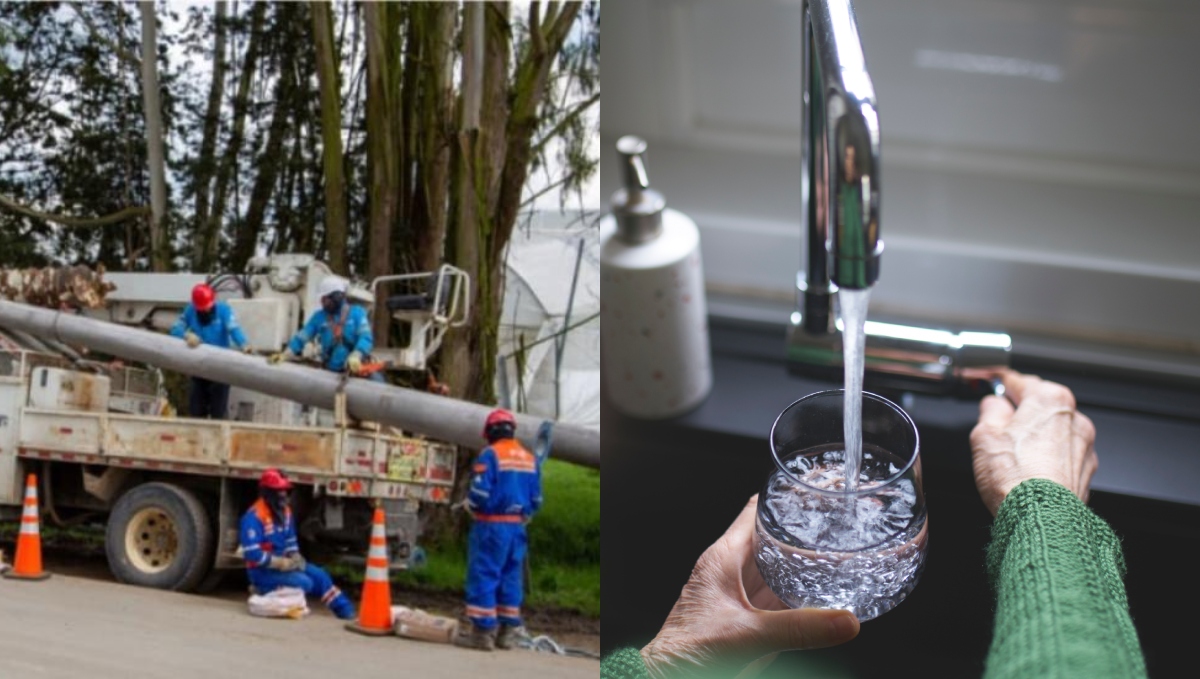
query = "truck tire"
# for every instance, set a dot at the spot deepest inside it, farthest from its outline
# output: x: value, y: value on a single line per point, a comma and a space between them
x: 160, y: 536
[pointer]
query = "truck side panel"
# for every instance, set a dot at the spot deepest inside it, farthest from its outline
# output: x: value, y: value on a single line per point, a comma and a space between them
x: 165, y: 440
x: 12, y: 394
x: 61, y: 430
x: 276, y: 447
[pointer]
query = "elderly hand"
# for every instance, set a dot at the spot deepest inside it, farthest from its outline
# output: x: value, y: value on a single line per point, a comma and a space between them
x: 1044, y: 437
x: 192, y: 339
x: 726, y: 614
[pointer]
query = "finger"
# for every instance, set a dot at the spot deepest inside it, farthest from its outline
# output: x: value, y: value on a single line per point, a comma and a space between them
x: 1083, y: 437
x: 1051, y: 394
x: 1016, y: 383
x: 995, y: 412
x: 1090, y: 464
x: 744, y: 523
x: 1084, y: 427
x: 804, y: 628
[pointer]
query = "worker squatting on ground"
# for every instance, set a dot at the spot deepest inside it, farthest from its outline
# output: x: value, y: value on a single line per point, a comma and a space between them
x: 342, y: 330
x: 208, y: 321
x: 272, y: 550
x: 506, y: 491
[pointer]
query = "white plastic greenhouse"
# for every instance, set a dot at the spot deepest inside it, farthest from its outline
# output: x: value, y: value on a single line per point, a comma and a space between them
x: 540, y: 266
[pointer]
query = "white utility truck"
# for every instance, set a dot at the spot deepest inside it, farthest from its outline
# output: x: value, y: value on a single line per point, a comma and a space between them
x: 101, y: 439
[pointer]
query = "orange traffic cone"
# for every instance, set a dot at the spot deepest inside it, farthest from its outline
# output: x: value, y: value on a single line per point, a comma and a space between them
x: 28, y: 564
x: 375, y: 609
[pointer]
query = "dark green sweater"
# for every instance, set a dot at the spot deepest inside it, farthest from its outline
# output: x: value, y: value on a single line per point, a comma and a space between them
x: 1060, y: 602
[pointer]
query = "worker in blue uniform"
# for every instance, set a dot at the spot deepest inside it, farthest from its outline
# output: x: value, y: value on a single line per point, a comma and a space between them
x: 209, y: 321
x: 272, y: 552
x: 341, y: 329
x: 505, y: 493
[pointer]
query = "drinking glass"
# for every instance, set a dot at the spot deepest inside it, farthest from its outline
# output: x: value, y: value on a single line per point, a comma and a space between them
x: 820, y: 545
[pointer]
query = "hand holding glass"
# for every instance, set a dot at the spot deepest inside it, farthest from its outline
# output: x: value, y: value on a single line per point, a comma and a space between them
x: 820, y: 545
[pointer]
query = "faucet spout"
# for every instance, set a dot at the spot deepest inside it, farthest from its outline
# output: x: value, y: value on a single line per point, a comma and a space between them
x: 840, y: 191
x: 840, y: 152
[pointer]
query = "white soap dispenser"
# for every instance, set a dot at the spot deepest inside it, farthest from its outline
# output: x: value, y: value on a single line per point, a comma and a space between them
x: 654, y: 347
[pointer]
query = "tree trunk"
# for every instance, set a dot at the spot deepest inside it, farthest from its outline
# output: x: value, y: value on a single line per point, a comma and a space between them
x: 160, y: 256
x: 208, y: 144
x: 271, y: 158
x: 211, y: 236
x: 331, y: 134
x: 383, y: 148
x: 408, y: 221
x: 457, y: 364
x: 438, y: 36
x: 490, y: 169
x: 528, y: 92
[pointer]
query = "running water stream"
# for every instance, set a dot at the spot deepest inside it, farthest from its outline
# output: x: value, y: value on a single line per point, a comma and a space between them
x: 854, y: 316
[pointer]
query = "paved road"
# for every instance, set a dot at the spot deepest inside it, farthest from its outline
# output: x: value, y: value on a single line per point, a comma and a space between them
x: 75, y: 627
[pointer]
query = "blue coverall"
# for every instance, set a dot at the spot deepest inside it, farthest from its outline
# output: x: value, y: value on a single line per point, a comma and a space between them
x: 349, y: 330
x: 506, y: 490
x: 208, y: 398
x: 263, y: 539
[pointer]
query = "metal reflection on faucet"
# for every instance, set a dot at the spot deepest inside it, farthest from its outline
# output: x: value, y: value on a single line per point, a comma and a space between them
x: 840, y: 190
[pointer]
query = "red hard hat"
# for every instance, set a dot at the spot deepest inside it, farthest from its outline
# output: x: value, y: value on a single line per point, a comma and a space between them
x: 273, y: 479
x: 203, y: 297
x: 498, y: 416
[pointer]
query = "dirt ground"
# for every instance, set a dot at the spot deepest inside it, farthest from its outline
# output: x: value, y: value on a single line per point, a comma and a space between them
x: 68, y: 627
x: 568, y: 628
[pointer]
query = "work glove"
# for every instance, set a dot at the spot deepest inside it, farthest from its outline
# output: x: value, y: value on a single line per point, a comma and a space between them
x: 192, y: 339
x: 354, y: 362
x: 246, y: 349
x: 283, y: 563
x: 298, y: 560
x: 279, y: 357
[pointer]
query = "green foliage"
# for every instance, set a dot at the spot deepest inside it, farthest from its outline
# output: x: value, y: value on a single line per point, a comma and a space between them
x: 567, y: 530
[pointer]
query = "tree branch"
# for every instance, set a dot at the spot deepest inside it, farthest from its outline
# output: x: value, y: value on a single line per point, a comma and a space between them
x: 556, y: 335
x: 81, y: 222
x: 544, y: 191
x: 535, y: 27
x: 562, y: 24
x: 95, y: 33
x: 566, y: 120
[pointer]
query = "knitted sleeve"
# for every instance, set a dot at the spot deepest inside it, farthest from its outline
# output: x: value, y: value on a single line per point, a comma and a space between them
x: 1057, y: 571
x: 623, y: 664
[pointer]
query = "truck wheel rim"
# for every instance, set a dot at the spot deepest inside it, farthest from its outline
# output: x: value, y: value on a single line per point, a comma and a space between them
x: 151, y: 541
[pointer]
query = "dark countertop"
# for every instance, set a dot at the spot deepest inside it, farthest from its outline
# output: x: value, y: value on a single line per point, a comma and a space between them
x: 675, y: 485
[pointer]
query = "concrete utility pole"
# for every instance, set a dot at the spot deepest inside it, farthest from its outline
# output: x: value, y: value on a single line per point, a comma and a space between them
x: 445, y: 419
x: 159, y: 260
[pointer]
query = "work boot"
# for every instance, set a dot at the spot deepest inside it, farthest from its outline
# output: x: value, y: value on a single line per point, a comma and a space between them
x: 342, y: 608
x: 468, y: 635
x: 511, y: 636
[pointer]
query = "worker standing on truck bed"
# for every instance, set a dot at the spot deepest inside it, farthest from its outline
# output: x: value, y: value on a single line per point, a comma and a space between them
x: 208, y: 321
x: 506, y: 491
x: 272, y: 551
x: 341, y: 329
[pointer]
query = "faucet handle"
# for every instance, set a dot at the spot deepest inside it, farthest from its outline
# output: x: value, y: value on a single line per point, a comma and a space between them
x: 638, y: 208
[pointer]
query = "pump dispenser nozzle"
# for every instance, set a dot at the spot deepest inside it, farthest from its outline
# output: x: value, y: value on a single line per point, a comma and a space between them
x: 637, y: 207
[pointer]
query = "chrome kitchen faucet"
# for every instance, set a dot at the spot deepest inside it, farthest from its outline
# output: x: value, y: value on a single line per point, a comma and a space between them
x: 840, y: 192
